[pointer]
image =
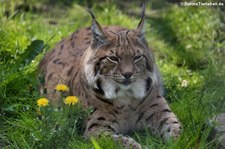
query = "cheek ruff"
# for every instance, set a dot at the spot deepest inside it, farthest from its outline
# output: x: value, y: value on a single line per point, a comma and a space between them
x: 112, y: 90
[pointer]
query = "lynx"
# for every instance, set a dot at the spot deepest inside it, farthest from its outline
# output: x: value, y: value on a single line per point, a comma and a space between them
x: 112, y: 70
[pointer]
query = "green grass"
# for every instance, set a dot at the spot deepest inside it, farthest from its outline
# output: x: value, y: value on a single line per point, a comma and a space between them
x: 188, y: 43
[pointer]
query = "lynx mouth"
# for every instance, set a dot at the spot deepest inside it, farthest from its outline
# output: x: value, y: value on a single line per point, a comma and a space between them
x: 125, y: 82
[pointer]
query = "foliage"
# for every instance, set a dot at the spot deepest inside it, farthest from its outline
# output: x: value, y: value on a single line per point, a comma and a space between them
x: 188, y: 43
x: 46, y: 127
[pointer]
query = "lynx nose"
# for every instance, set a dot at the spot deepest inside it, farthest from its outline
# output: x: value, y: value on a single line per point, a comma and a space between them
x: 127, y: 75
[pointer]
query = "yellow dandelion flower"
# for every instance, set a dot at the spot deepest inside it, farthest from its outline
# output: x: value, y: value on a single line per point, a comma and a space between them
x: 62, y: 87
x: 71, y: 100
x: 42, y: 102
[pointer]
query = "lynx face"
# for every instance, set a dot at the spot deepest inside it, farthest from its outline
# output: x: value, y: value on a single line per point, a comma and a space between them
x: 120, y: 66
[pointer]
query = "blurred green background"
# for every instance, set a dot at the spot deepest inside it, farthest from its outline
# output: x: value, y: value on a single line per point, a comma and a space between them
x: 188, y: 43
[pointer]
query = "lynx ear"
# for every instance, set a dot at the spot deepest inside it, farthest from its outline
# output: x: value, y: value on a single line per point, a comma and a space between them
x: 140, y: 30
x: 98, y: 35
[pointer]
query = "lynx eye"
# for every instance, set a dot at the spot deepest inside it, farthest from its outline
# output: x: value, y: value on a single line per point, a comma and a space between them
x: 113, y: 59
x: 138, y: 58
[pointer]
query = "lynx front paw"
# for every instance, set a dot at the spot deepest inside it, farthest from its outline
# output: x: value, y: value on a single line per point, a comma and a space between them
x: 127, y: 142
x: 171, y: 131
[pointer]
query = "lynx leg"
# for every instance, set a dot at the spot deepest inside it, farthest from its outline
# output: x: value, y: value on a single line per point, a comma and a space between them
x: 100, y: 125
x: 127, y: 142
x: 161, y: 120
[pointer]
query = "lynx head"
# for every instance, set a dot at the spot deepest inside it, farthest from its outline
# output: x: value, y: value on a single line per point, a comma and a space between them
x: 119, y: 64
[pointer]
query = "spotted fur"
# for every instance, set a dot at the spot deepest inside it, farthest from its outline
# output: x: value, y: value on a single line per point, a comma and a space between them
x: 112, y: 70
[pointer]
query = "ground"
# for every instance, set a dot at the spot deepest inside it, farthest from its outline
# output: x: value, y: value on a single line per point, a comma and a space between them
x: 188, y: 43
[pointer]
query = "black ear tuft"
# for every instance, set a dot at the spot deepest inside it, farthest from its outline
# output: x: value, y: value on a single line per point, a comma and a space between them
x: 91, y: 13
x: 143, y: 10
x: 99, y: 36
x: 140, y: 31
